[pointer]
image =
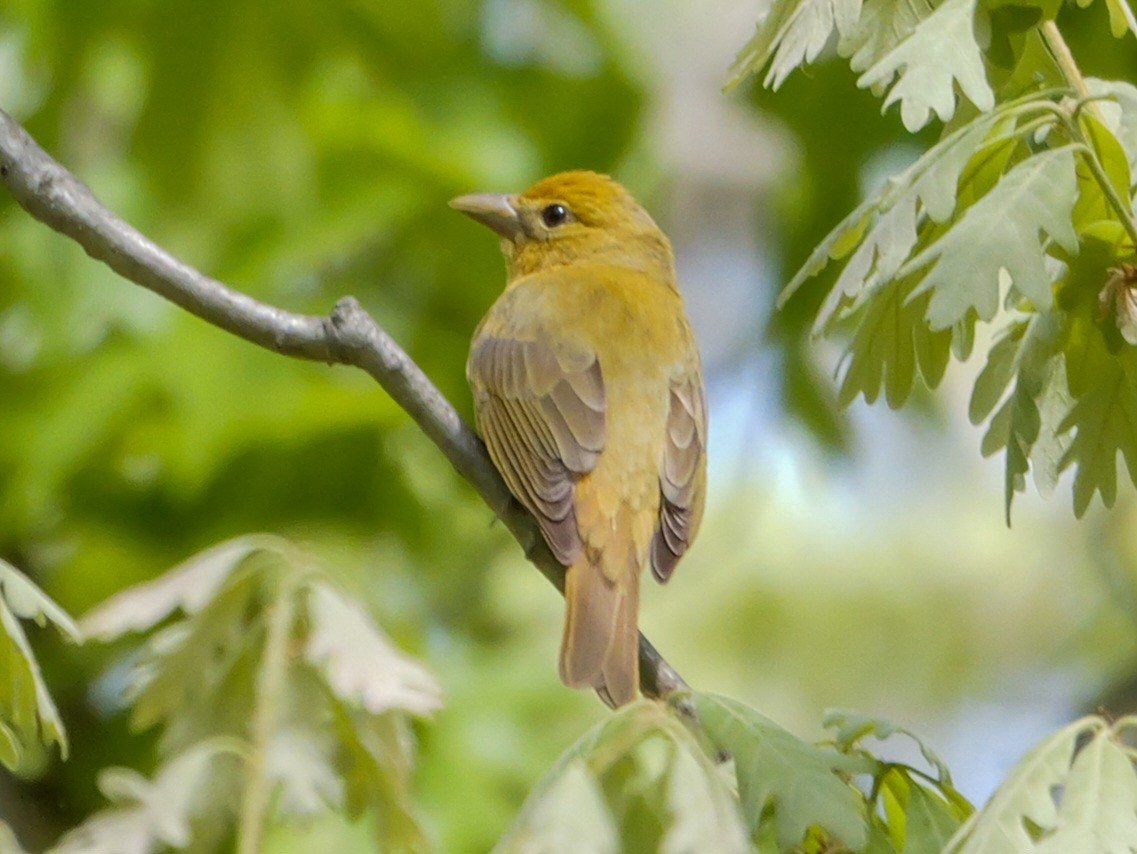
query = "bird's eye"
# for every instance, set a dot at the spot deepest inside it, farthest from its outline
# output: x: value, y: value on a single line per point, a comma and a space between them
x: 554, y: 215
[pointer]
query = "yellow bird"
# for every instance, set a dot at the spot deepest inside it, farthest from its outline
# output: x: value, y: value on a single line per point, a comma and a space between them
x: 589, y: 395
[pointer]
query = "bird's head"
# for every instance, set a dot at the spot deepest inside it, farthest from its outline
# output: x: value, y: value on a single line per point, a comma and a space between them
x: 569, y: 218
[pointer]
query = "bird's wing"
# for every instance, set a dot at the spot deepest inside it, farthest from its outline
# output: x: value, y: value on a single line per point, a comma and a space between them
x: 682, y: 476
x: 541, y: 414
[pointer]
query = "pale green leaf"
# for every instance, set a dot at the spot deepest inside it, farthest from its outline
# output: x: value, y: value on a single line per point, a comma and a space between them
x: 219, y: 645
x: 9, y: 844
x: 999, y: 232
x: 640, y: 760
x: 1119, y: 111
x: 844, y: 238
x: 884, y: 249
x: 1050, y: 447
x: 568, y: 818
x: 1026, y: 794
x: 793, y: 32
x: 939, y: 53
x: 1098, y: 812
x: 704, y: 813
x: 992, y: 382
x: 799, y: 781
x: 358, y: 661
x: 882, y: 26
x: 1026, y: 424
x: 187, y: 587
x: 882, y: 231
x: 27, y: 712
x: 28, y: 602
x: 297, y: 763
x: 146, y: 815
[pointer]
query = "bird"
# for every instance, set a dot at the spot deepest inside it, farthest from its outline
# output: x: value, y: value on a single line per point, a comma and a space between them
x: 588, y: 394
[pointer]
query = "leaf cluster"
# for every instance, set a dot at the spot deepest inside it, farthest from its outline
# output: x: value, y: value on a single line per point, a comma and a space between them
x: 263, y: 677
x: 1020, y: 216
x: 710, y: 774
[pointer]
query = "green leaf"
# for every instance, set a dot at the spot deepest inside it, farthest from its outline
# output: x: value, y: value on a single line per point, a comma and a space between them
x: 852, y: 727
x: 1026, y: 424
x: 882, y: 231
x: 939, y: 53
x: 1001, y: 232
x: 793, y: 32
x: 891, y: 340
x: 799, y: 781
x: 1026, y: 794
x: 658, y: 792
x: 919, y: 821
x: 1104, y: 415
x: 931, y: 821
x: 147, y: 815
x: 884, y: 249
x: 188, y: 587
x: 361, y: 666
x: 1093, y: 206
x: 376, y: 760
x: 28, y: 715
x: 1098, y: 811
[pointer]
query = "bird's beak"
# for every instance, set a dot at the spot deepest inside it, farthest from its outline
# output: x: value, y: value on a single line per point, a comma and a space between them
x: 493, y: 210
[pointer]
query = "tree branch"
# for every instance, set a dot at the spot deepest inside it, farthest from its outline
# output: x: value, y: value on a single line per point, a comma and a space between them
x: 348, y: 336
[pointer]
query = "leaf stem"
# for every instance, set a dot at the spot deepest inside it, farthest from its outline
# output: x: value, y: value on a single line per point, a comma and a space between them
x: 1073, y: 76
x: 266, y: 714
x: 1123, y: 211
x: 1065, y: 59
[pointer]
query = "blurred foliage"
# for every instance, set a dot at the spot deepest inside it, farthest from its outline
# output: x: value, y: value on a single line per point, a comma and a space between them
x: 290, y: 676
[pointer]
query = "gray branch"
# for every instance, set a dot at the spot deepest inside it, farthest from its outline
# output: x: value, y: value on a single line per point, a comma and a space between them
x: 348, y: 336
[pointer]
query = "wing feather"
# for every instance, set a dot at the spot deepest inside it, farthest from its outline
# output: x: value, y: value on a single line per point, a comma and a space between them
x: 682, y: 476
x: 541, y: 414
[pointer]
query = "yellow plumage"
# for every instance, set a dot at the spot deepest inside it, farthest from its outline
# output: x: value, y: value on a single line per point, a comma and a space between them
x: 588, y: 393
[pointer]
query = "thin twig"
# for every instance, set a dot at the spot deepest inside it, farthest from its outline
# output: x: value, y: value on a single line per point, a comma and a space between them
x: 348, y: 336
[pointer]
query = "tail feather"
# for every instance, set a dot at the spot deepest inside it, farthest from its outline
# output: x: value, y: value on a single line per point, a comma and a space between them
x: 590, y: 614
x: 621, y: 670
x: 600, y: 648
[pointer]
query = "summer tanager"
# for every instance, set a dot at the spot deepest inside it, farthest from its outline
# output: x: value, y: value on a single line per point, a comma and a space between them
x: 589, y: 396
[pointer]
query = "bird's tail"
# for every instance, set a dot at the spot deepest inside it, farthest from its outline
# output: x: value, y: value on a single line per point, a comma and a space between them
x: 600, y: 648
